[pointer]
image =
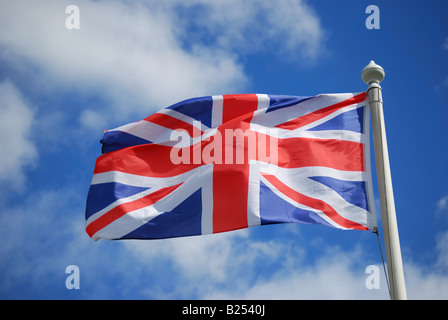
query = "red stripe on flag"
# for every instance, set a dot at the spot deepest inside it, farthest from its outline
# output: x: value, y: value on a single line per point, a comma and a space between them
x: 236, y: 105
x: 231, y: 181
x: 124, y: 208
x: 332, y: 153
x: 149, y: 160
x: 313, y: 203
x: 169, y: 122
x: 318, y: 114
x: 230, y: 189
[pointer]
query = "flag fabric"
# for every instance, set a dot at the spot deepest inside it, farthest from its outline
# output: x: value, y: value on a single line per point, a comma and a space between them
x: 221, y: 163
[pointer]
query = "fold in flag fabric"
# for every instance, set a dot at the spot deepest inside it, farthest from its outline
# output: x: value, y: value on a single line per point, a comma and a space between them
x: 221, y: 163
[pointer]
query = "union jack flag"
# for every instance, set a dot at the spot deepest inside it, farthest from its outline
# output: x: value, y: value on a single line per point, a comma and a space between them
x: 301, y: 159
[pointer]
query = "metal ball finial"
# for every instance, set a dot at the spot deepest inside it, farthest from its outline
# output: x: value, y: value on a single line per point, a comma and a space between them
x: 372, y: 73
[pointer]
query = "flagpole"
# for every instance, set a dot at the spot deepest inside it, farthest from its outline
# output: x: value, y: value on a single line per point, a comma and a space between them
x: 372, y: 75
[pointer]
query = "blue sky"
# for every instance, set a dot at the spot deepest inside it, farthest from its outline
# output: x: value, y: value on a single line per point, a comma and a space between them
x: 60, y: 88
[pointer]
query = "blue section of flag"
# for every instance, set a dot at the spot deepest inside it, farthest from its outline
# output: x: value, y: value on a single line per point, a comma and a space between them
x: 274, y: 209
x: 351, y: 120
x: 183, y: 220
x: 199, y: 109
x: 103, y: 194
x: 353, y: 192
x: 116, y: 140
x: 282, y: 101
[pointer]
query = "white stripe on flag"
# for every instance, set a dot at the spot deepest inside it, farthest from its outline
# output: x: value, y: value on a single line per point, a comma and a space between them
x: 217, y: 108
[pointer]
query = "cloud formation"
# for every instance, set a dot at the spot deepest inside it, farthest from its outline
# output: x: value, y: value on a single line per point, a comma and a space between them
x: 125, y: 50
x: 16, y: 121
x: 248, y: 26
x: 442, y: 204
x: 144, y: 55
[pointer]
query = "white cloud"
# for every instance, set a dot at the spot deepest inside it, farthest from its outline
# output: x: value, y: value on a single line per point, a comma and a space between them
x: 256, y: 25
x: 442, y: 204
x: 144, y: 55
x: 213, y: 257
x: 127, y: 50
x: 336, y: 275
x: 16, y: 120
x: 29, y: 232
x: 235, y: 266
x: 442, y: 207
x: 92, y: 120
x: 445, y: 81
x: 430, y: 281
x: 442, y: 247
x: 423, y: 285
x: 227, y: 266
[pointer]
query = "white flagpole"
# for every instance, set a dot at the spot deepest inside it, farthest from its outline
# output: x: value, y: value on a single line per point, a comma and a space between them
x: 372, y: 75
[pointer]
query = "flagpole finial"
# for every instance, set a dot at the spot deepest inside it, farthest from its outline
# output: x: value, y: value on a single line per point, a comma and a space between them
x: 372, y: 73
